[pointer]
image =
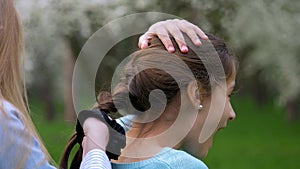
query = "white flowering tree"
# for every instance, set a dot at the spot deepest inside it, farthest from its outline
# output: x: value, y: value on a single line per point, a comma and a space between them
x: 54, y: 33
x: 262, y: 33
x: 267, y: 31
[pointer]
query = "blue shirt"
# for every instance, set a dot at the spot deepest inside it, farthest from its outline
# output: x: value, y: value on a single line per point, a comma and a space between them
x: 16, y: 143
x: 167, y: 158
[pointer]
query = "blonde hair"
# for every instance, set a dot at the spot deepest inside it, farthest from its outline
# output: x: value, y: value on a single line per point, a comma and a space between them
x: 12, y: 88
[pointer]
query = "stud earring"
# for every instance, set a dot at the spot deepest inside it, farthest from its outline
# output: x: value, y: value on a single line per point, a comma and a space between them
x: 200, y: 107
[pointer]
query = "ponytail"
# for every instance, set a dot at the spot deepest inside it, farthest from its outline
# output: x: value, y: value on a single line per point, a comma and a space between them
x: 77, y: 157
x: 116, y: 132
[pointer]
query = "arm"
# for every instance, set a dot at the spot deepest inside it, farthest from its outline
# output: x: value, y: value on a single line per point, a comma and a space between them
x: 95, y: 159
x: 93, y: 140
x: 18, y: 147
x: 174, y: 28
x: 100, y: 133
x: 21, y: 149
x: 94, y: 122
x: 94, y: 145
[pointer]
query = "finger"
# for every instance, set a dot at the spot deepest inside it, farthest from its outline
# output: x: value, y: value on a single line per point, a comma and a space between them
x: 165, y: 39
x: 141, y: 42
x: 200, y: 33
x: 179, y: 38
x: 145, y: 39
x: 194, y: 37
x: 186, y: 27
x: 83, y: 144
x: 147, y: 36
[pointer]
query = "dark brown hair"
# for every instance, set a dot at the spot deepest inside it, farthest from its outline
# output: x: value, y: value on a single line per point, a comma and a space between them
x: 142, y: 75
x: 155, y: 68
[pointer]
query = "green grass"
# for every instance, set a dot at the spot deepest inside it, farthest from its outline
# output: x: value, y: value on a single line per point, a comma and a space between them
x: 54, y: 134
x: 259, y: 137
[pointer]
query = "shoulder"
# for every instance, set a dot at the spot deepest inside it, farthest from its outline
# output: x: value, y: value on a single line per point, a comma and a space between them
x: 9, y: 114
x: 167, y: 158
x: 179, y: 159
x: 151, y: 163
x: 19, y: 145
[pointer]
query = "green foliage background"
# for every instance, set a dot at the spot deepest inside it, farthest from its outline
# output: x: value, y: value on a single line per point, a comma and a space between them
x: 262, y: 33
x: 258, y: 138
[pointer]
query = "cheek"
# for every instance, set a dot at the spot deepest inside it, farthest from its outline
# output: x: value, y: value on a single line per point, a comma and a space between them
x: 194, y: 133
x: 192, y: 144
x: 200, y: 121
x: 226, y: 112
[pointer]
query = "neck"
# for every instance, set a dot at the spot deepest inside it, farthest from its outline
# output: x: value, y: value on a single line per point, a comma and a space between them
x: 144, y: 140
x: 136, y: 152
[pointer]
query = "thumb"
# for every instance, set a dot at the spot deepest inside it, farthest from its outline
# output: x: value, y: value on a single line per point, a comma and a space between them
x: 83, y: 143
x: 144, y: 40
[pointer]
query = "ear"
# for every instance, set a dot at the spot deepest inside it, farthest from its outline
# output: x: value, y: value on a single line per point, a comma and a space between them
x: 193, y: 93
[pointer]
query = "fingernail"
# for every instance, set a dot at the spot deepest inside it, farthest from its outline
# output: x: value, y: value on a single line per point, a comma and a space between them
x: 206, y: 37
x: 171, y: 49
x: 184, y: 48
x: 198, y: 42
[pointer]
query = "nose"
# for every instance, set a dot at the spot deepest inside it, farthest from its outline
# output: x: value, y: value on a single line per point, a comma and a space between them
x: 232, y: 114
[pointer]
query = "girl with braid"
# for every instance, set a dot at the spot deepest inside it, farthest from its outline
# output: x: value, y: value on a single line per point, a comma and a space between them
x: 167, y: 97
x: 20, y: 144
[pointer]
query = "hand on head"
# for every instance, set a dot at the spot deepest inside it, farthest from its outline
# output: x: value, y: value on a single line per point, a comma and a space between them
x: 175, y: 28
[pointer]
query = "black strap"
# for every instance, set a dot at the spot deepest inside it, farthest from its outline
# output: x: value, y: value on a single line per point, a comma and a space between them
x: 117, y: 139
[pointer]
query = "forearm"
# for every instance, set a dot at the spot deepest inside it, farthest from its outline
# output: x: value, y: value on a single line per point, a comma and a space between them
x: 95, y: 159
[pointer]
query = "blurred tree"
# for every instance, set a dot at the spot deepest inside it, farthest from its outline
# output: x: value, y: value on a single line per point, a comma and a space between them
x: 270, y: 29
x: 54, y: 33
x: 44, y: 58
x: 69, y: 62
x: 261, y: 32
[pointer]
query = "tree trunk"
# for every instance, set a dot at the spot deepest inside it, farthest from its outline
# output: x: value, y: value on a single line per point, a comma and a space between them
x: 49, y: 102
x: 69, y: 112
x: 291, y: 110
x: 259, y: 90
